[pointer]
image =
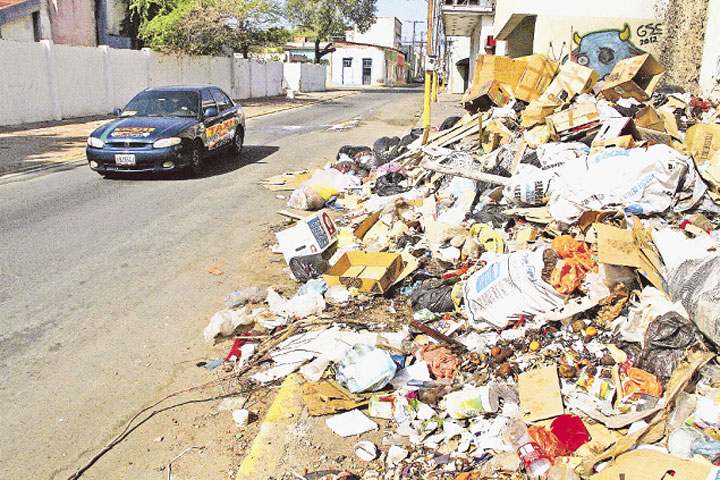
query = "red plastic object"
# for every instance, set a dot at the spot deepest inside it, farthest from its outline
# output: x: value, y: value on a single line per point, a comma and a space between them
x: 570, y: 431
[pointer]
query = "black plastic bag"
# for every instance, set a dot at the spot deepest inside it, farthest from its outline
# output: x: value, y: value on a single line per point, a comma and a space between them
x: 449, y: 122
x: 352, y: 150
x: 434, y: 296
x: 367, y: 160
x: 389, y: 184
x: 309, y: 266
x: 385, y: 144
x: 666, y: 340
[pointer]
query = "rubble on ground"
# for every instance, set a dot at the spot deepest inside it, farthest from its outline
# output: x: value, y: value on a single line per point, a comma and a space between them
x: 546, y: 273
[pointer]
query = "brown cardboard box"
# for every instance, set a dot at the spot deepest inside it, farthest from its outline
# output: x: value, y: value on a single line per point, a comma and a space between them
x: 571, y: 80
x: 505, y: 70
x: 370, y: 272
x: 536, y: 112
x: 480, y: 98
x: 577, y: 115
x: 615, y: 132
x: 649, y: 118
x: 634, y: 77
x: 536, y: 78
x: 494, y: 135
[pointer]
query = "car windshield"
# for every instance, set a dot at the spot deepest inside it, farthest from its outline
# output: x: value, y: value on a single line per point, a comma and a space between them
x: 159, y: 103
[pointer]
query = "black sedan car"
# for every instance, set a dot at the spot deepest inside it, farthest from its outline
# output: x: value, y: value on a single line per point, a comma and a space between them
x: 168, y: 128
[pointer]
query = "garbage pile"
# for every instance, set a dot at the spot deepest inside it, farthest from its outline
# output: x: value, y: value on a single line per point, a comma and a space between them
x: 534, y: 292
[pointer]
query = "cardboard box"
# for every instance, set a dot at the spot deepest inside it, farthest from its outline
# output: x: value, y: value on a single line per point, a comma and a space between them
x: 634, y: 77
x: 314, y: 234
x: 572, y: 79
x: 615, y: 132
x: 578, y: 115
x: 505, y: 70
x: 536, y: 78
x: 649, y: 118
x: 494, y: 135
x: 480, y: 98
x: 370, y: 272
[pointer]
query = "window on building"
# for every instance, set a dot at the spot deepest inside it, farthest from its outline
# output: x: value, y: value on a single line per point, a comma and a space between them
x: 347, y: 62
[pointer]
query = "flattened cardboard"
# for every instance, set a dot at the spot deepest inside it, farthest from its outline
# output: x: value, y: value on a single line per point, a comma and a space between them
x: 494, y: 135
x: 578, y: 115
x: 540, y: 396
x: 630, y: 248
x: 615, y: 132
x: 313, y: 235
x: 646, y: 464
x: 703, y: 143
x: 369, y: 272
x: 480, y: 98
x: 536, y: 78
x: 634, y: 77
x: 572, y: 79
x: 649, y: 118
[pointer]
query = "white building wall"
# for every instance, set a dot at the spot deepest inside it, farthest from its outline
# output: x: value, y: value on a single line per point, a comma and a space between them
x: 353, y: 75
x: 460, y: 51
x: 710, y: 70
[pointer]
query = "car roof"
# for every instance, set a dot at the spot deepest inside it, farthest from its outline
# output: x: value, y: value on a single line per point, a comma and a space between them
x: 180, y: 88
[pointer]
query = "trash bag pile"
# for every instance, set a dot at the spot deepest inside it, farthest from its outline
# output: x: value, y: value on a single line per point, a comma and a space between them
x: 532, y: 292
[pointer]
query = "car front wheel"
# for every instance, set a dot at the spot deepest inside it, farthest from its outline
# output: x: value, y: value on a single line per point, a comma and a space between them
x: 196, y: 160
x: 238, y: 144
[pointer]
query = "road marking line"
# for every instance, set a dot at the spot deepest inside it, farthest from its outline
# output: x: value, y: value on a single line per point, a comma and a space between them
x: 267, y: 446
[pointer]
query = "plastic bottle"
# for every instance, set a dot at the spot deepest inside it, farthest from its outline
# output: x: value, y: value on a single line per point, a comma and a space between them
x: 534, y: 459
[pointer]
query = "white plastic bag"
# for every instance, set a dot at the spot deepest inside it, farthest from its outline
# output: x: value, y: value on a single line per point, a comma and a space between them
x: 364, y: 368
x: 226, y: 321
x: 641, y: 181
x: 509, y: 286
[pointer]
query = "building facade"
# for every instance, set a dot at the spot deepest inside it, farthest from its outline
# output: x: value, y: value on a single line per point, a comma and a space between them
x: 68, y: 22
x: 386, y: 32
x: 359, y: 64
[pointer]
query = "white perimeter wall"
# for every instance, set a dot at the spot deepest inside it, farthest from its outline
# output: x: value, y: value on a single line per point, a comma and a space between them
x: 43, y: 81
x: 305, y: 77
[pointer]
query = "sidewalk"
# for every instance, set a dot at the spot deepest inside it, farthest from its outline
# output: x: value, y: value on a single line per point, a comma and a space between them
x: 448, y: 105
x: 42, y: 145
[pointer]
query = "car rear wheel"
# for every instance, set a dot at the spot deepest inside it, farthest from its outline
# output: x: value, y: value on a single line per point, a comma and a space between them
x: 196, y: 160
x: 238, y: 144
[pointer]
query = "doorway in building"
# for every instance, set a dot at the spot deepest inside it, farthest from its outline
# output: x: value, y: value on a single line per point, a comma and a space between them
x: 463, y: 68
x: 367, y: 71
x: 347, y: 71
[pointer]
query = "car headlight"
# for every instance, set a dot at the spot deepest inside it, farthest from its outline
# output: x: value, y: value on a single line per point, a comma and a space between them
x: 95, y: 142
x: 166, y: 142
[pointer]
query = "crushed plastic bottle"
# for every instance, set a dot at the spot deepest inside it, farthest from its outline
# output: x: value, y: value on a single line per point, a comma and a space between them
x: 534, y: 459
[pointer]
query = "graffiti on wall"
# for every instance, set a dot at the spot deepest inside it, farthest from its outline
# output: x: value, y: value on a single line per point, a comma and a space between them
x: 602, y: 49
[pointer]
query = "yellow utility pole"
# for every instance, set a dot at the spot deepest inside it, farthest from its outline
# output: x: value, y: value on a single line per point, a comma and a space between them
x: 429, y: 77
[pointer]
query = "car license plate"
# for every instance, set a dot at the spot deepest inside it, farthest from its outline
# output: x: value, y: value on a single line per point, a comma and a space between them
x: 125, y: 159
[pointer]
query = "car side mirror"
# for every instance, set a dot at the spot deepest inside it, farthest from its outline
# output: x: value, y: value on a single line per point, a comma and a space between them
x: 117, y: 112
x: 211, y: 112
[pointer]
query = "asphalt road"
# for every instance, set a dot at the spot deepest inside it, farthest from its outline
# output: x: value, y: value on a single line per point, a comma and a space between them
x: 105, y: 289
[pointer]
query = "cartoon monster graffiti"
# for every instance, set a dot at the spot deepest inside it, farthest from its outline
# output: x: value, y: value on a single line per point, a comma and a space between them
x: 601, y: 50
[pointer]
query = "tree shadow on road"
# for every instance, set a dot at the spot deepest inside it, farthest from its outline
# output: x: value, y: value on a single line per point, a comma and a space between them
x: 215, y: 165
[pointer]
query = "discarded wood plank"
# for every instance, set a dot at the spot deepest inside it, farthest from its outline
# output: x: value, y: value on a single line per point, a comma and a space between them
x: 450, y: 132
x: 458, y: 172
x: 291, y: 214
x: 436, y: 335
x: 518, y: 157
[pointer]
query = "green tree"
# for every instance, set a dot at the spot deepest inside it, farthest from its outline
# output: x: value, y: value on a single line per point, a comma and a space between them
x: 328, y: 18
x: 207, y: 27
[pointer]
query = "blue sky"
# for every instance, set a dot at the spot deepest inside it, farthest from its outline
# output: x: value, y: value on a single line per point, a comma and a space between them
x: 405, y: 10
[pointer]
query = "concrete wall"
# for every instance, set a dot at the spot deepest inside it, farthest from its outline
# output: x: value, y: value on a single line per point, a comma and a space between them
x: 304, y: 77
x: 43, y: 81
x: 710, y: 70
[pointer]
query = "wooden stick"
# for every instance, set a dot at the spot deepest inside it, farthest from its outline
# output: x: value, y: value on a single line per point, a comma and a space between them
x: 457, y: 172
